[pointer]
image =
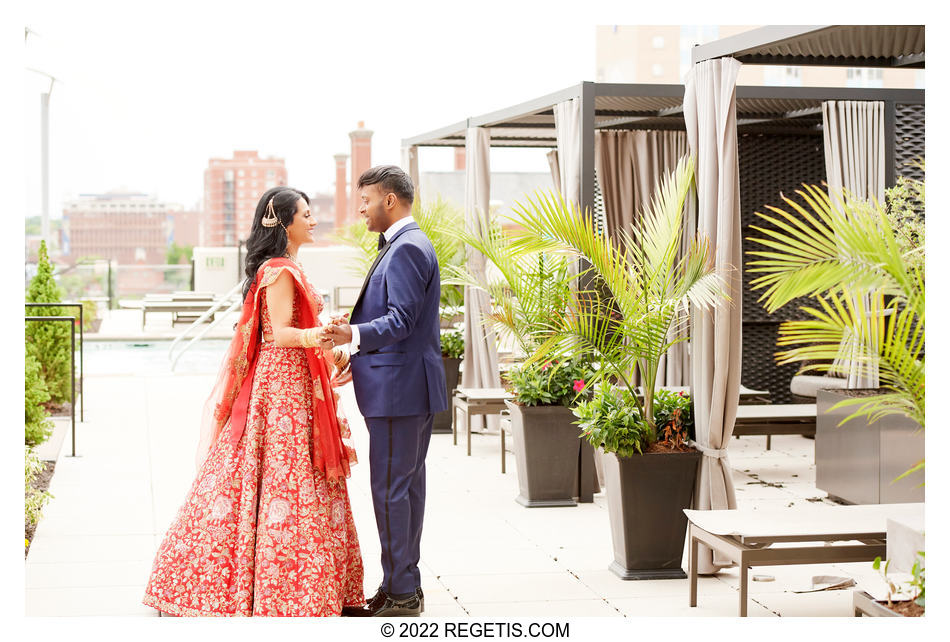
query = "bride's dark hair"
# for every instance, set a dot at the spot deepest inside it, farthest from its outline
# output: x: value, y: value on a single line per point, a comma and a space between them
x: 269, y: 242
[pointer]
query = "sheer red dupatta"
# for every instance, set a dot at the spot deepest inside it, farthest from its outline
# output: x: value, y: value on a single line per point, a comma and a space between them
x: 226, y: 408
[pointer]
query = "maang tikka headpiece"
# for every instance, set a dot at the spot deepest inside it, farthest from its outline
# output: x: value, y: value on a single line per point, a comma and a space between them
x: 270, y: 216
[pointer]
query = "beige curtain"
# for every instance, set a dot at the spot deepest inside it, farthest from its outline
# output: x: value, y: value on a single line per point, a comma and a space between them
x: 555, y: 168
x: 629, y: 166
x: 709, y: 108
x: 854, y: 162
x: 567, y: 121
x: 480, y: 362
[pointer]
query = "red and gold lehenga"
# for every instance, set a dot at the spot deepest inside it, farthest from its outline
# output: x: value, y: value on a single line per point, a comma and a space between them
x: 266, y: 528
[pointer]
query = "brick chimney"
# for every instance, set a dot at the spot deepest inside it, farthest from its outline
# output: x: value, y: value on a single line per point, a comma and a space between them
x: 459, y: 158
x: 341, y: 214
x: 360, y: 161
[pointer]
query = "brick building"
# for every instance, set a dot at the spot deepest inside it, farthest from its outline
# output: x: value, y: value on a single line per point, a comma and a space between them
x: 131, y: 228
x: 232, y: 189
x: 187, y: 228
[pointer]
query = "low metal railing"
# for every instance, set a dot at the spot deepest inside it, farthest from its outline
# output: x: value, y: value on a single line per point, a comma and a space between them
x: 82, y: 389
x: 72, y: 363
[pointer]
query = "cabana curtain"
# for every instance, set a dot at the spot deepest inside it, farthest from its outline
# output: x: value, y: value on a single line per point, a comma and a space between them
x: 480, y: 362
x: 709, y: 109
x: 567, y: 120
x: 629, y: 167
x: 854, y: 162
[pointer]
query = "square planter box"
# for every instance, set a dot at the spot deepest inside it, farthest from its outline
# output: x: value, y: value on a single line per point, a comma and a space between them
x: 646, y: 495
x: 858, y: 462
x: 546, y: 446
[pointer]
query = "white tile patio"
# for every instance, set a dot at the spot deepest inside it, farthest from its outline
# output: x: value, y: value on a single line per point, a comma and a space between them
x: 483, y: 555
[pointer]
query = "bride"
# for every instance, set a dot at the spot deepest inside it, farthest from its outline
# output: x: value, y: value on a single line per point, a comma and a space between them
x: 266, y: 528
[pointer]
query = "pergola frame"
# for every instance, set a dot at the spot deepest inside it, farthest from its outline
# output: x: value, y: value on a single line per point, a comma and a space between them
x: 821, y: 45
x: 531, y: 123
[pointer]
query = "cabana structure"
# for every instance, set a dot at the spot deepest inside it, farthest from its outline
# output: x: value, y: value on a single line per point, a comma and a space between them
x: 780, y: 146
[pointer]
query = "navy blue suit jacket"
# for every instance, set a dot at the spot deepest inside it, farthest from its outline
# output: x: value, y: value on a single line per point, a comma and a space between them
x: 398, y: 370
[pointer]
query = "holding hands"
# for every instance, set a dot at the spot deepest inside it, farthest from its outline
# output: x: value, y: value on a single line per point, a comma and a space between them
x: 337, y: 331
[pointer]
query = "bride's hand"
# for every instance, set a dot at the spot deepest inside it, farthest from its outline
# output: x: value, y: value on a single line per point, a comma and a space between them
x: 344, y: 377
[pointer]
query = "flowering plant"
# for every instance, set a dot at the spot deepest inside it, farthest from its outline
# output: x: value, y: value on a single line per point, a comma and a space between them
x: 549, y: 383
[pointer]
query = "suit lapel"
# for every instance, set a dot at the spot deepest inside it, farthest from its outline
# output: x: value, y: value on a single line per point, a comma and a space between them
x: 379, y: 257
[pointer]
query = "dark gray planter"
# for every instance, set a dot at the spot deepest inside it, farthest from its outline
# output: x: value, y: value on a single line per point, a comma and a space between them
x: 858, y: 462
x: 442, y: 422
x: 646, y: 495
x: 547, y: 450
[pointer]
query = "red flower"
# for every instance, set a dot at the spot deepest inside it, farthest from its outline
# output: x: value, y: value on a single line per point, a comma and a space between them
x: 546, y: 365
x: 579, y: 385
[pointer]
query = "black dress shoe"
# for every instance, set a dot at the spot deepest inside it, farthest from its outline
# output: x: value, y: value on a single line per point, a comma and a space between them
x: 396, y: 607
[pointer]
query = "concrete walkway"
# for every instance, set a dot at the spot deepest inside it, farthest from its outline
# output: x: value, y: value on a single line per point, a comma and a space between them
x: 483, y: 555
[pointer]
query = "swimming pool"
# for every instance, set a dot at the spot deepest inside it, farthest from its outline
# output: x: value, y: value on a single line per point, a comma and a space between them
x: 151, y: 357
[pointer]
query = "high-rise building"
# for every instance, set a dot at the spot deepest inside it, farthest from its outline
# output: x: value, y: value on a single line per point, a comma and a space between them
x: 131, y: 228
x: 653, y: 54
x: 232, y: 188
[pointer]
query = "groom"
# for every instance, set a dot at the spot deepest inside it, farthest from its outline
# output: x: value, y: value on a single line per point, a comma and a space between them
x: 398, y: 379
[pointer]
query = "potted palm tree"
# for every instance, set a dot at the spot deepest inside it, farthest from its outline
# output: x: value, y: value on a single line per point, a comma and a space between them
x: 527, y: 291
x: 439, y: 220
x: 864, y: 273
x: 634, y: 310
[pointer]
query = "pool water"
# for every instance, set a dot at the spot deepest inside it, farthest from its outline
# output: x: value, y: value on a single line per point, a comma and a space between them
x: 151, y: 358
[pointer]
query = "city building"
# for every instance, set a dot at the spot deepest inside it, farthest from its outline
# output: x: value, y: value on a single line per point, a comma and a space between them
x: 232, y: 188
x: 187, y: 228
x: 656, y: 54
x: 361, y: 146
x: 128, y: 227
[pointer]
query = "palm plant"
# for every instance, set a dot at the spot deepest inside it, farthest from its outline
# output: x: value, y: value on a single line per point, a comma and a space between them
x: 525, y: 287
x: 634, y: 306
x: 869, y: 290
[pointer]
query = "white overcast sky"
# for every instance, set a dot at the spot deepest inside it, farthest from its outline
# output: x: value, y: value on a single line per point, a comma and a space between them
x: 151, y: 91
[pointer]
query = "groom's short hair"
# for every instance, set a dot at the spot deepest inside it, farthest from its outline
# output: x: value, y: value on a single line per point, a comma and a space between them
x: 390, y: 179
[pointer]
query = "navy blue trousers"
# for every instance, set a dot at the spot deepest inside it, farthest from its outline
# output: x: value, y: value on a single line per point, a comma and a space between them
x: 397, y: 465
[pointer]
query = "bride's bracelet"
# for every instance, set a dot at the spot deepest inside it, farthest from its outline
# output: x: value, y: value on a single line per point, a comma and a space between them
x: 341, y: 358
x: 310, y: 338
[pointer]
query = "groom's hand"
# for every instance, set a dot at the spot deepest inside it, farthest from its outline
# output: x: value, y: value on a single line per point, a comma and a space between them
x: 340, y: 334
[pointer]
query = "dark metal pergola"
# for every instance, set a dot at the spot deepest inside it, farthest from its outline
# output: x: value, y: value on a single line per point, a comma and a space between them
x: 604, y: 106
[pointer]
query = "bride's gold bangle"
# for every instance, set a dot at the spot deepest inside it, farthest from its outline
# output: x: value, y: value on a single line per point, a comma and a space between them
x: 341, y: 358
x: 310, y: 338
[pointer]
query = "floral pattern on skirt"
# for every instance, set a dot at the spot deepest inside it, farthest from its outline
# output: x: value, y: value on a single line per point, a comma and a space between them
x: 261, y: 532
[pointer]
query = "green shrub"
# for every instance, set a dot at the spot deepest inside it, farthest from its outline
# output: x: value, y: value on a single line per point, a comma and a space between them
x: 90, y: 312
x: 38, y: 425
x: 550, y: 383
x: 49, y: 341
x: 453, y: 345
x: 34, y: 499
x: 611, y: 420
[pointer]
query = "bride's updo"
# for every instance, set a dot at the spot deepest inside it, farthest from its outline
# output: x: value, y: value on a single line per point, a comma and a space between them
x: 267, y: 242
